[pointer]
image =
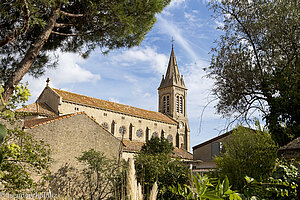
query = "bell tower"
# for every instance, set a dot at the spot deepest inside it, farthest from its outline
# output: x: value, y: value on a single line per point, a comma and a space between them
x: 172, y: 101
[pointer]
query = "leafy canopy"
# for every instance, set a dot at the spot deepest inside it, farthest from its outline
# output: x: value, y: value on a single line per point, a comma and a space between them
x: 31, y: 29
x: 157, y: 145
x: 154, y: 164
x: 24, y: 161
x: 248, y: 152
x: 256, y: 64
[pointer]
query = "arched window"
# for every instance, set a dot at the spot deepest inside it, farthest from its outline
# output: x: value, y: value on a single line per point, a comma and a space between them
x: 168, y: 103
x: 164, y: 104
x: 130, y: 132
x: 181, y: 105
x: 147, y: 134
x: 113, y: 127
x: 177, y: 103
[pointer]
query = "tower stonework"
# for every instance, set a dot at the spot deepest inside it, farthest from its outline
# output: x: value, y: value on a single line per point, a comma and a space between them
x: 172, y: 94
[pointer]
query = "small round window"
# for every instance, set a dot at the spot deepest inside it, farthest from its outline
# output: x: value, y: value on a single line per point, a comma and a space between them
x: 122, y: 130
x: 155, y: 134
x: 139, y: 133
x: 170, y: 138
x: 105, y: 125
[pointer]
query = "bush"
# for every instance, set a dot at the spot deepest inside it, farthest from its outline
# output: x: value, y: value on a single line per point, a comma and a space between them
x: 247, y: 152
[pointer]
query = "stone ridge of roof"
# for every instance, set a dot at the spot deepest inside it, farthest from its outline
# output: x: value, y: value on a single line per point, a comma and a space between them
x: 32, y: 123
x: 39, y: 108
x: 293, y: 145
x: 112, y: 106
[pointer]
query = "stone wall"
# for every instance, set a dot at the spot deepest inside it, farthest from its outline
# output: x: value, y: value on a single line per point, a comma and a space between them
x: 70, y: 136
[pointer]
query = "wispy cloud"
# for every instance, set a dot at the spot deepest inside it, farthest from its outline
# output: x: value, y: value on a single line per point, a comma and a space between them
x: 171, y: 29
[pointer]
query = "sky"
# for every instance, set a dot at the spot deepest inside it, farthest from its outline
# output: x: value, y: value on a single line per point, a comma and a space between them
x: 132, y: 76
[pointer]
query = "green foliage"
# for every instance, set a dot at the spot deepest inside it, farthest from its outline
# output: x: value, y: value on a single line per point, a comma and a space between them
x: 154, y: 163
x: 202, y: 189
x: 157, y: 145
x: 22, y: 157
x: 31, y: 29
x: 248, y: 152
x: 3, y: 132
x: 256, y: 63
x: 100, y: 175
x: 282, y: 185
x: 163, y: 169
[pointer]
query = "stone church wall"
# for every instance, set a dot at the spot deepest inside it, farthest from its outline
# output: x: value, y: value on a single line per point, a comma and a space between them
x: 51, y: 99
x: 104, y: 116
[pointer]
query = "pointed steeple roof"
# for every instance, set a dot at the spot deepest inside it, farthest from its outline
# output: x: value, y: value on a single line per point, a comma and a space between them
x: 172, y: 77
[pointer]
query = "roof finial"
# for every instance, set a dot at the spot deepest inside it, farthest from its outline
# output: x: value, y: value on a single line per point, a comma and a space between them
x: 47, y: 81
x: 172, y: 41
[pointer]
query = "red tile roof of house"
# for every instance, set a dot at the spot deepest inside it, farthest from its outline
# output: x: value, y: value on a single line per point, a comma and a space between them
x: 31, y: 123
x: 38, y: 108
x: 135, y: 146
x: 112, y: 106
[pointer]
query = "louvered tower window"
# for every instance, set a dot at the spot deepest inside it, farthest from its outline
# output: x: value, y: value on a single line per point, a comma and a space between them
x: 164, y: 104
x: 177, y: 103
x: 181, y: 105
x: 168, y: 104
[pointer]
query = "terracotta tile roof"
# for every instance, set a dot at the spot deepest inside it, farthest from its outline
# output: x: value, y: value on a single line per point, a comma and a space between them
x: 180, y: 153
x: 38, y: 108
x: 135, y: 146
x: 116, y: 107
x: 293, y: 145
x: 31, y: 123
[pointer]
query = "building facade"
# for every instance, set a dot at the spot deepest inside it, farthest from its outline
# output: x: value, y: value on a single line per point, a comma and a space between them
x: 123, y: 121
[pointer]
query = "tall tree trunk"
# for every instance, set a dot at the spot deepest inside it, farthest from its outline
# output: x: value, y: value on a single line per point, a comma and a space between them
x: 32, y: 53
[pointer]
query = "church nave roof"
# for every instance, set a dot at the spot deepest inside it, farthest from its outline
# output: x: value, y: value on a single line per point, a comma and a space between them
x: 112, y: 106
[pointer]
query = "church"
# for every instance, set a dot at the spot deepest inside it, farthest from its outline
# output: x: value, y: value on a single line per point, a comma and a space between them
x: 131, y: 125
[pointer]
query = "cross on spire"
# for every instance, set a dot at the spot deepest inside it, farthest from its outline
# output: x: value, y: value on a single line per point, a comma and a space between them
x: 172, y: 41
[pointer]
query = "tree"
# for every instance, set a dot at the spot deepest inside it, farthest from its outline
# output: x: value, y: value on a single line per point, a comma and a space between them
x: 99, y: 175
x: 157, y: 145
x: 94, y: 178
x: 256, y: 63
x: 247, y: 153
x: 30, y: 29
x: 154, y: 164
x: 24, y: 161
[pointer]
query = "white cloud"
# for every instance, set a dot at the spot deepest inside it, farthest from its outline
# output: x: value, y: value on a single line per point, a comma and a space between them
x: 219, y: 24
x: 67, y: 71
x: 171, y: 29
x: 147, y: 54
x: 190, y: 17
x: 175, y: 3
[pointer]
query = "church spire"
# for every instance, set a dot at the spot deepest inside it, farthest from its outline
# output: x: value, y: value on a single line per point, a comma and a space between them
x: 172, y: 77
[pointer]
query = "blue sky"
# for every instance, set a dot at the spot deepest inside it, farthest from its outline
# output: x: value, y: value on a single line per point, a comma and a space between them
x: 132, y: 76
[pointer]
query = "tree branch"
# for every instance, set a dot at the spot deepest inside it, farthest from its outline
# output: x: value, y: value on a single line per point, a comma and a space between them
x: 32, y: 53
x: 14, y: 33
x: 62, y: 25
x: 71, y: 14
